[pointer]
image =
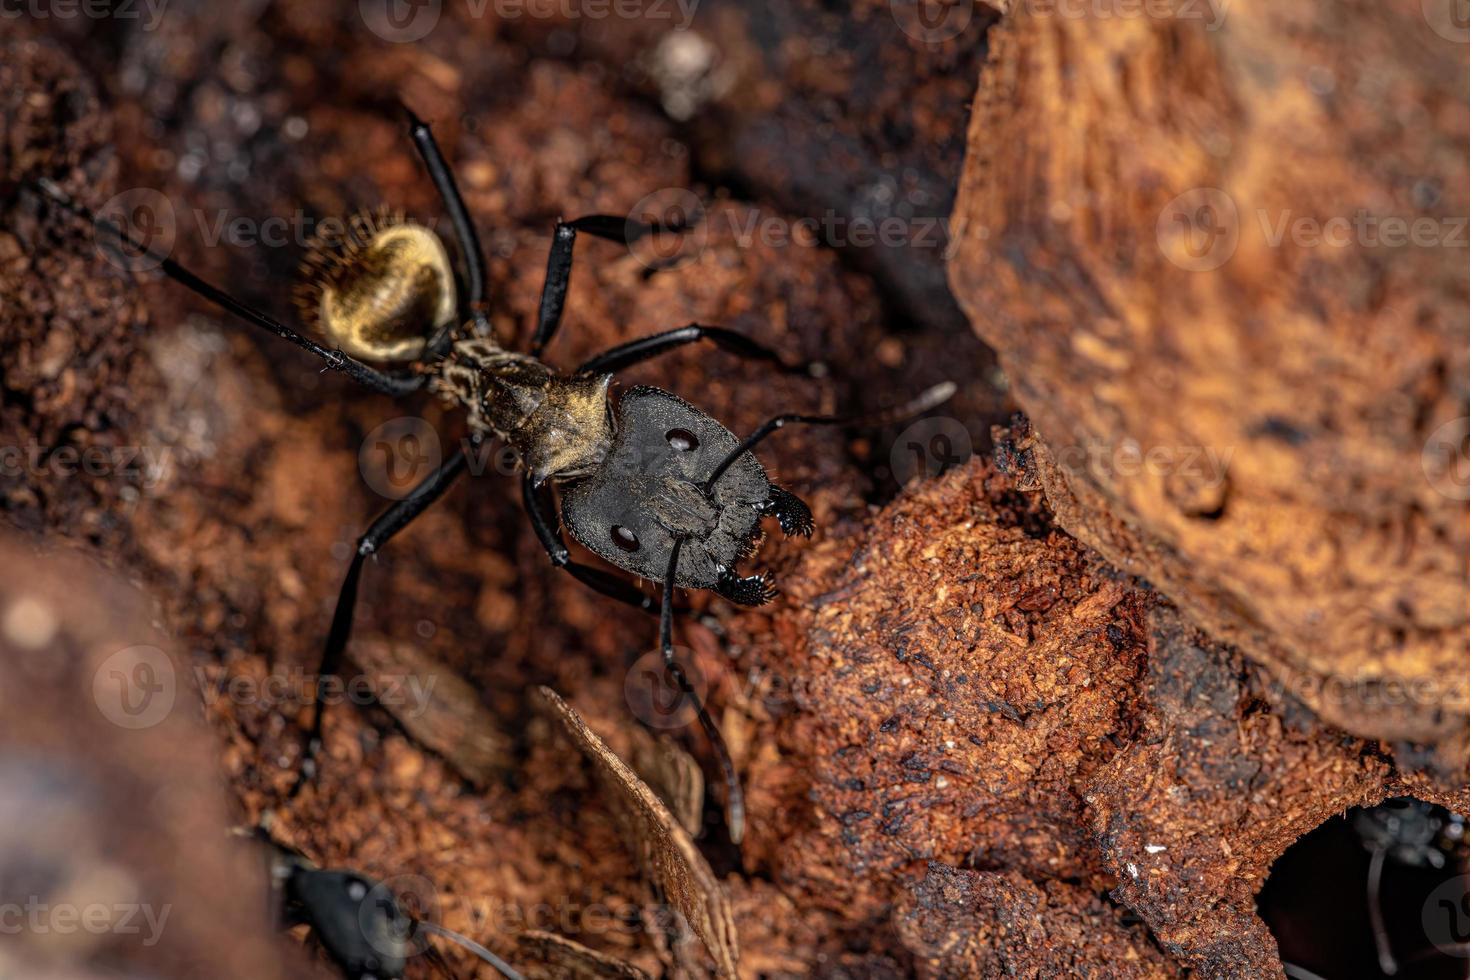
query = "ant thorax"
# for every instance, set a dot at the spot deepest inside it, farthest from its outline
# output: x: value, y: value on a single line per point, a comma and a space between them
x: 558, y: 424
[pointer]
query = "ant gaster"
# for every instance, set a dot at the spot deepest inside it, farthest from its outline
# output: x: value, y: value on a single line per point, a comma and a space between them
x: 653, y: 486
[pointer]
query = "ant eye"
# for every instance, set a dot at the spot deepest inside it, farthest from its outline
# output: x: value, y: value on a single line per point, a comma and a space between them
x: 682, y: 440
x: 624, y: 538
x: 356, y: 891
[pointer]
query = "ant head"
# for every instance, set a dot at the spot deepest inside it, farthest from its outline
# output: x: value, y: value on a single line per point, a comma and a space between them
x: 1410, y: 831
x: 650, y: 491
x: 358, y: 921
x: 378, y: 289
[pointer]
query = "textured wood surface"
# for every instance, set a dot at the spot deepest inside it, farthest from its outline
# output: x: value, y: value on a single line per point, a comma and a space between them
x: 1222, y: 256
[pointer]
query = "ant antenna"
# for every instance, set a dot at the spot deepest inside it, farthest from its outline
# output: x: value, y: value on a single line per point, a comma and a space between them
x: 335, y: 360
x: 735, y: 802
x: 505, y: 968
x: 931, y: 398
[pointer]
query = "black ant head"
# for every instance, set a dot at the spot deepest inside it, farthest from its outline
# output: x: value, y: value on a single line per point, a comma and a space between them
x: 358, y: 921
x: 651, y: 490
x: 378, y: 289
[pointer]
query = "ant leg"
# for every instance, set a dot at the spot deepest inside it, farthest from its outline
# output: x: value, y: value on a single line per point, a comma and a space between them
x: 459, y: 216
x: 624, y: 231
x: 1381, y: 942
x: 379, y: 533
x: 334, y: 360
x: 1299, y: 972
x: 735, y: 797
x: 646, y: 348
x: 544, y: 521
x: 559, y: 268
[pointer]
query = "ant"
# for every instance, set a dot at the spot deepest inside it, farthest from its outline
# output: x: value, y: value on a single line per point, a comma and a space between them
x: 651, y: 484
x: 1409, y: 832
x: 361, y: 924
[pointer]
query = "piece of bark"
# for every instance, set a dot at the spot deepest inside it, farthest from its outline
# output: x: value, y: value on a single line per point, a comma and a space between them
x: 438, y: 708
x: 1226, y: 773
x: 963, y: 668
x: 113, y: 843
x: 673, y: 774
x: 548, y: 956
x: 990, y: 924
x: 663, y: 849
x: 1129, y: 241
x: 1107, y: 744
